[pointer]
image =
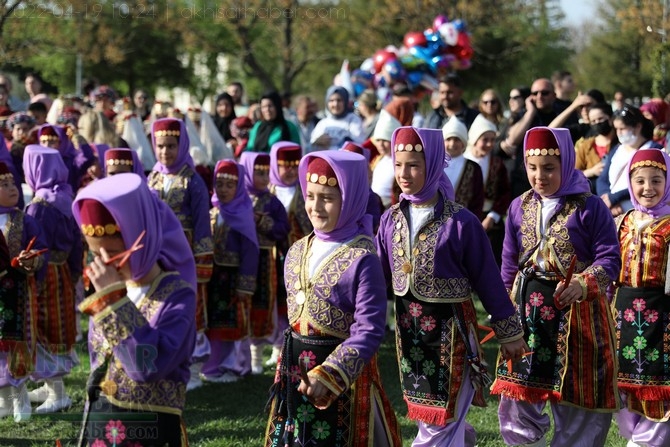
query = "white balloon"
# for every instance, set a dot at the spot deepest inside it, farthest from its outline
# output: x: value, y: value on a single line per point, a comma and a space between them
x: 449, y: 33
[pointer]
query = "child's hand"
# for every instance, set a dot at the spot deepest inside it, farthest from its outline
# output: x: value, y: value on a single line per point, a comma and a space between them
x: 25, y: 261
x: 101, y: 274
x: 565, y: 296
x: 514, y: 350
x: 315, y: 391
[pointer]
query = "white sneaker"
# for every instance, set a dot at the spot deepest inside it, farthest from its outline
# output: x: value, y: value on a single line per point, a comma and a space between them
x: 57, y: 397
x: 256, y: 360
x: 274, y: 357
x: 21, y: 404
x: 194, y: 381
x: 226, y: 377
x: 5, y: 401
x: 39, y: 395
x: 52, y: 405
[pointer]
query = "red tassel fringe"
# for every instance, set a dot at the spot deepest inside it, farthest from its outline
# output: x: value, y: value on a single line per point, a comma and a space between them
x: 433, y: 416
x: 518, y: 392
x: 646, y: 392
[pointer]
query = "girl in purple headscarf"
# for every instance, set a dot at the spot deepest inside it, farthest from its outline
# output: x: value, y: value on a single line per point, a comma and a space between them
x: 435, y: 254
x: 18, y: 298
x: 284, y: 159
x: 142, y: 316
x: 272, y: 228
x: 337, y: 314
x: 641, y: 303
x: 175, y: 181
x: 233, y: 281
x: 78, y: 157
x: 560, y: 257
x: 47, y: 175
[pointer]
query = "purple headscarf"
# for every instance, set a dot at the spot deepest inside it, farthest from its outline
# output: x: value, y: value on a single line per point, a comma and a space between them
x: 65, y: 146
x: 137, y: 163
x: 239, y: 212
x: 662, y: 208
x: 573, y: 180
x: 248, y: 159
x: 275, y: 179
x: 183, y: 156
x: 134, y: 208
x: 436, y: 161
x: 351, y: 171
x: 46, y: 174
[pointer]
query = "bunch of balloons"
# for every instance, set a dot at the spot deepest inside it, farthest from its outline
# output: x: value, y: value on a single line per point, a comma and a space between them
x: 423, y: 57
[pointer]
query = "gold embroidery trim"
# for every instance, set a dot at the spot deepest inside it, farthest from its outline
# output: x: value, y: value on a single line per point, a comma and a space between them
x: 167, y: 133
x: 100, y: 230
x: 408, y: 147
x: 321, y: 179
x: 648, y: 163
x: 543, y: 151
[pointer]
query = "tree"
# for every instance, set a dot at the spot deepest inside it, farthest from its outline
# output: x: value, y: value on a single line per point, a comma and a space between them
x: 616, y: 56
x: 126, y: 44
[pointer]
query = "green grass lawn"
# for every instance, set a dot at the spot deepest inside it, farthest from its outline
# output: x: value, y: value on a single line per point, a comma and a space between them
x: 232, y: 415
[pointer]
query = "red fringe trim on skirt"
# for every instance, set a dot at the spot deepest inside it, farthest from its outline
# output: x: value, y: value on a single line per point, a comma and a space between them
x: 646, y: 392
x: 429, y: 415
x: 524, y: 393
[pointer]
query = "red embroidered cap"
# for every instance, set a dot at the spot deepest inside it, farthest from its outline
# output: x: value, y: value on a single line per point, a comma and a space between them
x: 167, y: 128
x: 289, y: 156
x: 406, y: 139
x: 320, y: 172
x: 262, y: 162
x: 5, y: 173
x: 114, y: 157
x: 227, y: 170
x: 96, y: 221
x: 541, y: 142
x: 648, y: 158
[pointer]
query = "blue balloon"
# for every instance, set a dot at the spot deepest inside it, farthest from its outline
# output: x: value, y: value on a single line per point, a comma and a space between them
x: 395, y: 70
x: 459, y: 25
x: 414, y: 79
x: 426, y: 55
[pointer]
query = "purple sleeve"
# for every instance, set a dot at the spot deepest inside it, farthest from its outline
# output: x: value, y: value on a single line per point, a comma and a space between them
x: 275, y: 223
x: 248, y: 257
x: 84, y: 159
x: 380, y: 243
x: 368, y: 329
x: 199, y: 199
x: 154, y: 349
x: 510, y: 253
x: 30, y: 229
x: 75, y: 259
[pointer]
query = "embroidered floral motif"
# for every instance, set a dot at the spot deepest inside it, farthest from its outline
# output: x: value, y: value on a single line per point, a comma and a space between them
x: 115, y: 432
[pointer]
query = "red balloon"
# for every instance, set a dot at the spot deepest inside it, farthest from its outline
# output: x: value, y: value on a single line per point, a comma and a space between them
x: 415, y: 38
x: 464, y: 48
x: 381, y: 57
